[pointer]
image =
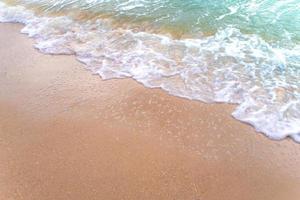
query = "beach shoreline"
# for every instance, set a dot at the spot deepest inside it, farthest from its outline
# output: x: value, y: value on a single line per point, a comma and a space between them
x: 67, y: 134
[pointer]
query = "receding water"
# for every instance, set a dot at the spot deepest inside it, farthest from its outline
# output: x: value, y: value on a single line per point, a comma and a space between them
x: 245, y: 52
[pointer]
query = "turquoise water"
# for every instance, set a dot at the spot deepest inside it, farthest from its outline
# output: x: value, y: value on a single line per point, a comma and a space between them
x: 243, y: 52
x: 271, y: 19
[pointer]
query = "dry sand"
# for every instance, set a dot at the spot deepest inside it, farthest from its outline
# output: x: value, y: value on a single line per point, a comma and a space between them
x: 65, y: 134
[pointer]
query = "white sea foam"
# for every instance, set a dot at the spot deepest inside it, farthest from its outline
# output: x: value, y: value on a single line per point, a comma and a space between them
x: 228, y: 67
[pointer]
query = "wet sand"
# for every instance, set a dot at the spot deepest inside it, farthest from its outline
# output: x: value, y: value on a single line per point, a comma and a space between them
x: 67, y: 134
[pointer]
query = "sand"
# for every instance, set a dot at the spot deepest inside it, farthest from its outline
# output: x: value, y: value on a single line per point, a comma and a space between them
x: 67, y: 134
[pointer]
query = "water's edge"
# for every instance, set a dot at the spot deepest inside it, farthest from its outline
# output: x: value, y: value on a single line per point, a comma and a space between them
x: 143, y: 62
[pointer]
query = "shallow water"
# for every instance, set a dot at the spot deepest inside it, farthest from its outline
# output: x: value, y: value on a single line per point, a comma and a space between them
x: 242, y: 52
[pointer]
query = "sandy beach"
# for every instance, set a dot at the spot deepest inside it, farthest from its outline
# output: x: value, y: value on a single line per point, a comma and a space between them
x: 67, y: 134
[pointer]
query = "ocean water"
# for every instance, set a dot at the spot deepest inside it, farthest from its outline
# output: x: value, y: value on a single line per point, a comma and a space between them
x: 243, y: 52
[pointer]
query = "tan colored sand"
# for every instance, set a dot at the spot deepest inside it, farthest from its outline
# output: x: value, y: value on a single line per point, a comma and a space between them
x: 67, y: 135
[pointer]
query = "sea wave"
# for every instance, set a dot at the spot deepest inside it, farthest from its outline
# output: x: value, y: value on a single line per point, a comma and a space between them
x: 229, y: 66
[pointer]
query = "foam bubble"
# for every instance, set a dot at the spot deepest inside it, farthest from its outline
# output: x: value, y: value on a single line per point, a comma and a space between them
x: 231, y: 67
